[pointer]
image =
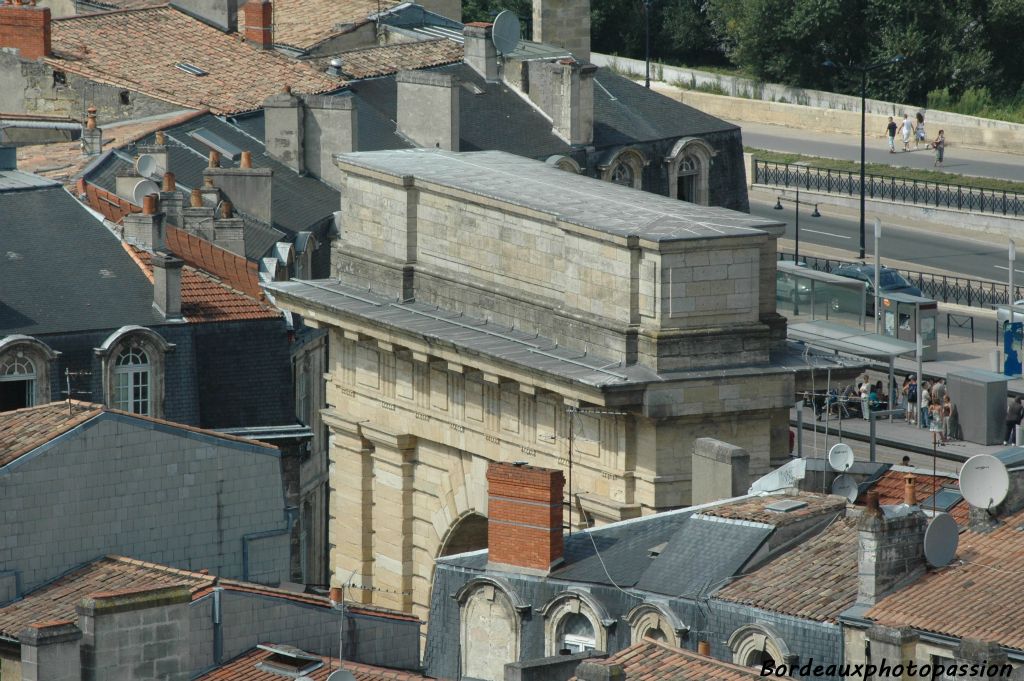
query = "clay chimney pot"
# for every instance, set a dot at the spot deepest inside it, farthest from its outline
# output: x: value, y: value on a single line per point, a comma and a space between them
x: 225, y: 209
x: 336, y: 594
x: 214, y: 159
x: 196, y: 200
x: 149, y: 204
x: 871, y: 507
x: 161, y: 138
x: 90, y: 122
x: 169, y: 183
x: 246, y: 160
x: 704, y: 648
x: 909, y: 491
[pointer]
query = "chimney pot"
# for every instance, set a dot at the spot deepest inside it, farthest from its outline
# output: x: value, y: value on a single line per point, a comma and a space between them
x: 196, y: 200
x: 214, y: 159
x: 246, y: 160
x: 909, y: 491
x: 225, y: 209
x: 336, y: 594
x: 287, y: 89
x: 90, y: 122
x: 208, y: 181
x: 161, y: 138
x: 169, y: 183
x: 149, y: 204
x: 704, y: 648
x: 871, y: 507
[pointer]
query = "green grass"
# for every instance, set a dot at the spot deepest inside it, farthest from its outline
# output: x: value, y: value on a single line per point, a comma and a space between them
x: 920, y: 175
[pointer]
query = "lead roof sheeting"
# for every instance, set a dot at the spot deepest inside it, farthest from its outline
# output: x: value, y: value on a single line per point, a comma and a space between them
x: 15, y: 180
x: 591, y: 203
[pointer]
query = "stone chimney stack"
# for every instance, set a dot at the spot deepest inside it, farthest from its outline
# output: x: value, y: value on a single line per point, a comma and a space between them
x: 480, y: 53
x: 92, y: 136
x: 259, y: 23
x: 222, y: 14
x: 283, y: 129
x: 428, y: 109
x: 563, y: 23
x: 890, y: 551
x: 524, y: 516
x: 228, y: 230
x: 167, y: 284
x: 49, y: 651
x: 249, y: 189
x: 146, y: 229
x: 564, y: 90
x: 171, y: 200
x: 26, y: 28
x: 330, y: 126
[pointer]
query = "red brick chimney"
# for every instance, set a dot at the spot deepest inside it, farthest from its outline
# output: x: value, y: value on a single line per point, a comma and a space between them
x: 524, y: 509
x: 259, y: 23
x: 26, y: 28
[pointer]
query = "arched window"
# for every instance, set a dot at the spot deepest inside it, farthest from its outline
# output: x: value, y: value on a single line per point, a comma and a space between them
x: 753, y: 645
x: 132, y: 382
x: 689, y: 169
x: 17, y: 382
x: 565, y: 163
x: 622, y: 173
x: 656, y: 622
x: 575, y: 621
x: 625, y: 167
x: 24, y: 372
x: 490, y: 621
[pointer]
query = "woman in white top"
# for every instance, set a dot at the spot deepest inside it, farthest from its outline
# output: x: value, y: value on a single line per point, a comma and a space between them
x: 908, y: 130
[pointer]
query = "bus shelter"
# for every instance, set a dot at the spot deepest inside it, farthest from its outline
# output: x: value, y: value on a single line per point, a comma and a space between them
x: 802, y: 293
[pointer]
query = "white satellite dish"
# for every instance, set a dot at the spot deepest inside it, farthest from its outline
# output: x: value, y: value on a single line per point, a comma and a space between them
x: 845, y: 486
x: 146, y: 165
x: 143, y: 188
x: 505, y: 32
x: 840, y: 457
x: 341, y: 675
x: 984, y: 481
x: 940, y: 540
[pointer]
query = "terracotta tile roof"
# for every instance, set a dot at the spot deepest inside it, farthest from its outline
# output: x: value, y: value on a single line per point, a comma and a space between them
x: 232, y: 269
x: 23, y: 430
x: 817, y: 580
x: 57, y: 600
x: 306, y: 23
x: 204, y: 298
x: 117, y: 48
x: 890, y: 490
x: 108, y: 204
x: 978, y: 595
x: 653, y: 661
x: 755, y: 509
x: 243, y: 668
x: 63, y: 161
x: 383, y: 61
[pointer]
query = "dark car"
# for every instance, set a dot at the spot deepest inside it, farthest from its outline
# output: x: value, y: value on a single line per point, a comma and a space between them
x: 889, y: 281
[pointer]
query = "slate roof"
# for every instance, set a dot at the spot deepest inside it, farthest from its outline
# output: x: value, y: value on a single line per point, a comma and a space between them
x: 817, y: 580
x: 204, y: 299
x: 891, y: 484
x: 23, y: 430
x: 299, y: 202
x: 243, y: 668
x: 591, y: 203
x: 117, y: 48
x: 977, y: 596
x: 303, y: 24
x: 650, y: 660
x: 382, y: 61
x: 57, y: 600
x: 63, y: 270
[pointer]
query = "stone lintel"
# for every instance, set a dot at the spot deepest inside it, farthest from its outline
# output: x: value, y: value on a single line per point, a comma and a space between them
x: 393, y: 441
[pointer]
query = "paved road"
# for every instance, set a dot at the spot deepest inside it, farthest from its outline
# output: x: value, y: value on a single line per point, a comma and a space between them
x: 847, y: 147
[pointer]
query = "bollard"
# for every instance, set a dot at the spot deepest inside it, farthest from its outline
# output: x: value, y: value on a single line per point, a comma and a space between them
x: 1017, y: 432
x: 994, y: 361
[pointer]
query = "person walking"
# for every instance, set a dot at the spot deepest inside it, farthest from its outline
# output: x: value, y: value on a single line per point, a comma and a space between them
x: 919, y: 135
x: 925, y: 400
x: 890, y: 130
x: 908, y: 130
x: 1013, y: 415
x: 940, y: 147
x: 952, y: 420
x: 911, y: 412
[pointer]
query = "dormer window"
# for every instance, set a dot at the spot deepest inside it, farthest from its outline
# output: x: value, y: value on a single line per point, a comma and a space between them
x: 133, y: 370
x: 132, y: 381
x: 24, y: 372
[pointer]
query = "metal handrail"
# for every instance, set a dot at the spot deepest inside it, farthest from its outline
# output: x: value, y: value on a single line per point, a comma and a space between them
x: 890, y: 188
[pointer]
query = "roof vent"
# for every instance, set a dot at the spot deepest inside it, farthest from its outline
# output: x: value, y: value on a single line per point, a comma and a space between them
x: 655, y: 551
x: 787, y: 506
x: 288, y: 661
x: 335, y: 67
x: 190, y: 69
x: 216, y: 143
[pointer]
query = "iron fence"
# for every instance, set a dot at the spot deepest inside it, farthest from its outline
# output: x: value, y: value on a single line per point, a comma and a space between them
x: 889, y: 188
x: 942, y: 287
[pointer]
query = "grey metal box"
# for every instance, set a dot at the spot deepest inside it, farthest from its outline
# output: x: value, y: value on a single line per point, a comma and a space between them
x: 980, y: 399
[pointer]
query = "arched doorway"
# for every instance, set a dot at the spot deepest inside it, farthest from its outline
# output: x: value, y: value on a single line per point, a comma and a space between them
x: 468, y: 533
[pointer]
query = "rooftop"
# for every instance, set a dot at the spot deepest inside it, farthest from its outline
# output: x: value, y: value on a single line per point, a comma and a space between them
x: 762, y: 509
x: 303, y: 24
x: 975, y: 596
x: 891, y: 485
x: 817, y: 580
x: 584, y: 201
x: 654, y: 661
x: 23, y: 430
x: 243, y: 668
x: 117, y: 48
x: 383, y: 61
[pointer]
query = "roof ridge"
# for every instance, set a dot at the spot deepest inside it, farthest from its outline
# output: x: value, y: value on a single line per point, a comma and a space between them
x: 193, y: 429
x: 159, y: 567
x: 104, y: 13
x: 134, y: 253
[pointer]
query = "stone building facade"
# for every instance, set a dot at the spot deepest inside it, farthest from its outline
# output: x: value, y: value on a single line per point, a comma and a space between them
x: 488, y: 308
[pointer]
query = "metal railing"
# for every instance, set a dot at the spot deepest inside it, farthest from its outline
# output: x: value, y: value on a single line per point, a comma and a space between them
x: 941, y: 287
x: 889, y: 188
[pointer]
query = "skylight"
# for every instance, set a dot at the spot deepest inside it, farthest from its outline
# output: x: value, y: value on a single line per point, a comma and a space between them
x: 190, y: 68
x: 216, y: 142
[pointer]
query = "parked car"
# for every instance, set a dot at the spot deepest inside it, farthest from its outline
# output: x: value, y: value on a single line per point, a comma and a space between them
x: 889, y: 281
x: 786, y: 286
x: 1004, y: 315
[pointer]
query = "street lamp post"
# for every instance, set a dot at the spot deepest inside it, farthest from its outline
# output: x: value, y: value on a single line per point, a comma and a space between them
x: 796, y: 224
x: 647, y: 43
x: 864, y: 69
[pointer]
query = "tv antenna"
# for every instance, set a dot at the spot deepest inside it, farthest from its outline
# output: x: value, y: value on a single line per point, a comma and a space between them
x: 845, y: 486
x: 940, y: 540
x: 68, y: 392
x: 984, y: 481
x: 341, y: 674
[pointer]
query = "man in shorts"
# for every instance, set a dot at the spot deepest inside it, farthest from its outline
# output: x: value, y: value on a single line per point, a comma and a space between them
x: 891, y: 131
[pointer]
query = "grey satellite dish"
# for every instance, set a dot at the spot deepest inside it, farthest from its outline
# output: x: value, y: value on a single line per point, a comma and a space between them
x: 840, y: 457
x: 940, y: 540
x: 505, y: 33
x: 341, y: 675
x: 144, y: 188
x: 984, y: 481
x: 845, y: 486
x: 146, y: 165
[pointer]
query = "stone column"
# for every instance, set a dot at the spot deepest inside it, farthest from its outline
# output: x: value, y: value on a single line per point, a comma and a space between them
x: 393, y: 457
x: 350, y: 526
x: 49, y: 652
